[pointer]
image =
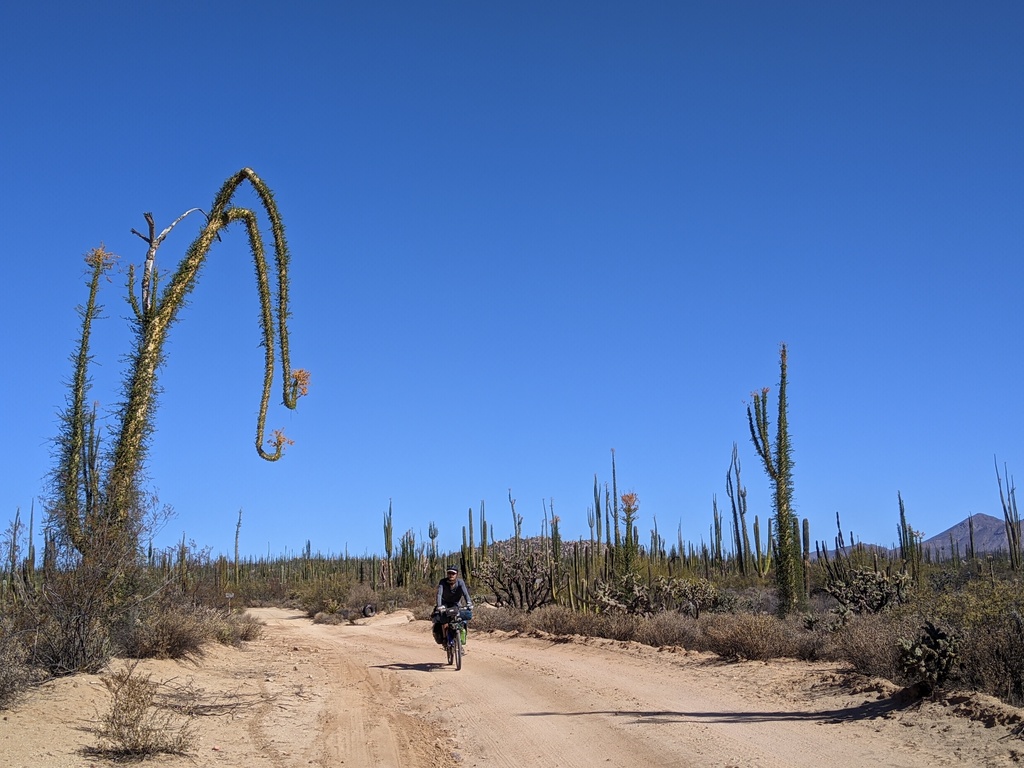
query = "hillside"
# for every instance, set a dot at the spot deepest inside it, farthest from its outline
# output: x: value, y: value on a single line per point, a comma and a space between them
x: 989, y: 536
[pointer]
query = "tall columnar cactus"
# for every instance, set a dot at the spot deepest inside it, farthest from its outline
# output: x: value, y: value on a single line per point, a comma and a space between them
x: 1011, y: 518
x: 630, y: 546
x: 387, y: 571
x: 615, y: 504
x: 762, y: 559
x: 778, y: 463
x: 88, y: 509
x: 517, y: 523
x: 910, y: 543
x: 483, y: 532
x: 738, y: 500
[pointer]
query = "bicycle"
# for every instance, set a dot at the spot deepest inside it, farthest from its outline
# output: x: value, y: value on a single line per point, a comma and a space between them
x: 455, y: 622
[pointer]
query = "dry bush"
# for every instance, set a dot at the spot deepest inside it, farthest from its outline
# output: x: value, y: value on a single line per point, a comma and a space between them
x: 993, y: 658
x: 752, y: 636
x: 15, y: 675
x: 71, y: 635
x: 323, y: 596
x: 135, y: 726
x: 503, y: 619
x: 331, y: 619
x: 558, y: 620
x: 361, y: 595
x: 869, y: 643
x: 614, y: 626
x: 806, y: 644
x: 670, y: 628
x: 169, y: 630
x: 238, y: 628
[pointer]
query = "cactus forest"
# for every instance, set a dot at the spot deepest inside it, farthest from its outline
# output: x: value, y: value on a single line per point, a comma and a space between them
x: 755, y: 587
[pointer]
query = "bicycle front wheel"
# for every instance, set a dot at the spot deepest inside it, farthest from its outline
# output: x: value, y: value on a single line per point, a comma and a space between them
x: 458, y: 654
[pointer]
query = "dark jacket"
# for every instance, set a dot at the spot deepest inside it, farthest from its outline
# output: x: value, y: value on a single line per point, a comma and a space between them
x: 449, y: 595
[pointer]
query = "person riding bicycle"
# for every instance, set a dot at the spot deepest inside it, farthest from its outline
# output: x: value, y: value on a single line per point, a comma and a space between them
x: 451, y: 590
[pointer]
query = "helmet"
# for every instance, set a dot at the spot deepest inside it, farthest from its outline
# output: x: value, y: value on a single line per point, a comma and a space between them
x: 452, y: 569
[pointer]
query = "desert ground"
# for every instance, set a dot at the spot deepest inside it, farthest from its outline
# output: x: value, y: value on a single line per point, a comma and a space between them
x: 378, y: 693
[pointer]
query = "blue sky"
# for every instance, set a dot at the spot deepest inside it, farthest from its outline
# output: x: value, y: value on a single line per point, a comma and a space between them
x: 524, y: 235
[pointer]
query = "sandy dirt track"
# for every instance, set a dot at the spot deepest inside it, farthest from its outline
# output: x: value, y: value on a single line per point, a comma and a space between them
x: 379, y: 693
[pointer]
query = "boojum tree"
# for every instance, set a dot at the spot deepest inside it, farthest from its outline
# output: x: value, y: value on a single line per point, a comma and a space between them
x: 778, y: 464
x: 97, y: 499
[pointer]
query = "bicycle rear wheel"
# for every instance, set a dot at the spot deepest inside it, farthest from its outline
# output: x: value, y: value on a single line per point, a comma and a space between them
x: 450, y: 647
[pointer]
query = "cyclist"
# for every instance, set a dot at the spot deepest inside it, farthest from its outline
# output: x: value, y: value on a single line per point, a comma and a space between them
x: 451, y: 590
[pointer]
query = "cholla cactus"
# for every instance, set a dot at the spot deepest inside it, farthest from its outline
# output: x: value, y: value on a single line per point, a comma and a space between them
x: 929, y: 659
x: 863, y: 590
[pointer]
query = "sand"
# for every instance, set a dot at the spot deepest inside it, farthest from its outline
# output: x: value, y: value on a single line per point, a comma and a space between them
x: 379, y: 693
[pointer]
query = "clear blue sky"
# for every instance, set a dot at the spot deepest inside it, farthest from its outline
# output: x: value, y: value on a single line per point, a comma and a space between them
x: 526, y: 234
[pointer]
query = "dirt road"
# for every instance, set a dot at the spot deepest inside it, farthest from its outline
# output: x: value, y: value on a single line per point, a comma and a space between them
x: 391, y: 700
x: 380, y: 695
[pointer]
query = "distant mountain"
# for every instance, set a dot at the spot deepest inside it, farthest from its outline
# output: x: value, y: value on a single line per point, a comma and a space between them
x: 989, y: 536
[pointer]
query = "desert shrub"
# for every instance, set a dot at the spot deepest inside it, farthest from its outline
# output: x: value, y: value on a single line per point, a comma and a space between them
x: 15, y: 675
x: 170, y: 630
x: 757, y: 599
x: 929, y: 659
x: 331, y: 619
x: 517, y: 574
x: 751, y: 636
x: 236, y: 628
x: 323, y: 596
x: 167, y: 630
x: 799, y: 641
x: 360, y: 595
x: 72, y: 630
x: 504, y: 619
x: 868, y: 643
x: 975, y: 604
x: 424, y: 611
x: 984, y: 614
x: 993, y: 658
x: 134, y: 725
x: 250, y: 628
x: 558, y: 620
x: 670, y: 628
x: 613, y: 626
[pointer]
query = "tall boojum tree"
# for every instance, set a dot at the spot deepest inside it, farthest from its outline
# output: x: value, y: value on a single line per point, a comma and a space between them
x: 101, y: 512
x: 778, y: 463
